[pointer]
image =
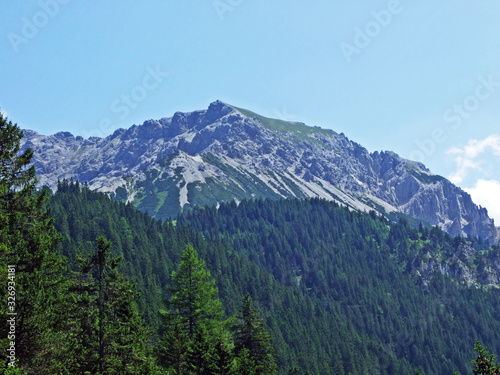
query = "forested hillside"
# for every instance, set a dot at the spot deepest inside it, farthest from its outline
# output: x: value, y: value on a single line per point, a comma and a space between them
x: 359, y: 268
x: 335, y: 287
x: 300, y: 328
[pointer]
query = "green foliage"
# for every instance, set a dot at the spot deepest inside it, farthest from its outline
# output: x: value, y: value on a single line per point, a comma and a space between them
x: 297, y: 129
x: 252, y: 342
x: 224, y: 363
x: 246, y: 364
x: 27, y: 236
x: 194, y: 295
x: 107, y: 331
x: 358, y: 274
x: 335, y: 289
x: 484, y: 364
x: 173, y: 348
x: 194, y: 321
x: 426, y: 178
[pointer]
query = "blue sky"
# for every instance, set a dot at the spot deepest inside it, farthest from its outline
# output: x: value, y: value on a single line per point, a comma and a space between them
x: 421, y: 78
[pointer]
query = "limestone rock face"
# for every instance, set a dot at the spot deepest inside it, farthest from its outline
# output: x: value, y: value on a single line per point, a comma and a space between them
x: 461, y: 266
x: 225, y: 153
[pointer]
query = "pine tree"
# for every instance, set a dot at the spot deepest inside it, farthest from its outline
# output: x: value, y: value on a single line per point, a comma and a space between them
x: 29, y: 265
x: 251, y: 337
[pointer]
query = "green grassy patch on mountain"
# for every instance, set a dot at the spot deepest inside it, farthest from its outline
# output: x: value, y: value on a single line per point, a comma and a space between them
x: 298, y: 129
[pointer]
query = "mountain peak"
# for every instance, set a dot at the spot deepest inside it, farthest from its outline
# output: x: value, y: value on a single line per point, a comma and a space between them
x: 217, y: 110
x: 218, y: 104
x: 225, y: 153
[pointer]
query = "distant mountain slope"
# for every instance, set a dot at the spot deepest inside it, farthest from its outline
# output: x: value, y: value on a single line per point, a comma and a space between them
x: 226, y: 153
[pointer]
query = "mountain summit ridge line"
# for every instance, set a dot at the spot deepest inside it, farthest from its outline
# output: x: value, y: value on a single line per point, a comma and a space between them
x: 226, y: 153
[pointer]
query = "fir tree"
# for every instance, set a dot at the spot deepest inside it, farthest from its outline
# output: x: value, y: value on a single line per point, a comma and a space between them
x: 224, y: 358
x: 246, y: 364
x: 194, y: 295
x: 173, y: 349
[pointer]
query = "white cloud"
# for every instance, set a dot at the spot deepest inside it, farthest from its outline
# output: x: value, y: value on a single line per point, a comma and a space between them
x: 466, y: 157
x: 487, y: 194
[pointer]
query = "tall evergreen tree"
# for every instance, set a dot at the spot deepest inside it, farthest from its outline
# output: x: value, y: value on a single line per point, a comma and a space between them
x: 246, y: 364
x: 252, y: 342
x: 195, y: 317
x: 194, y: 295
x: 29, y: 265
x: 224, y: 358
x: 109, y: 336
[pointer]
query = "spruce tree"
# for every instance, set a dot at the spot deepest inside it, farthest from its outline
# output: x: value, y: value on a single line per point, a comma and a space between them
x: 224, y: 358
x: 194, y: 295
x: 246, y: 364
x: 173, y: 349
x: 251, y: 339
x: 108, y: 332
x: 201, y: 354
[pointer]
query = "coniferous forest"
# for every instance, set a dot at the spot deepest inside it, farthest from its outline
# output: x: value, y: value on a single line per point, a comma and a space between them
x: 93, y: 286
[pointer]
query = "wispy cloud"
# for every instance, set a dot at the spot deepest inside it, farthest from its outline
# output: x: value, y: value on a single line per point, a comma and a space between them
x: 467, y: 157
x: 486, y: 193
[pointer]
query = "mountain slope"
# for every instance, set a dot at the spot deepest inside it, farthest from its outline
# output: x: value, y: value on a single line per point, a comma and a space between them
x: 330, y: 283
x: 225, y: 153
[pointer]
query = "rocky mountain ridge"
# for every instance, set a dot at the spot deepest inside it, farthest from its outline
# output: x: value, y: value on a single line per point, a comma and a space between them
x: 226, y: 153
